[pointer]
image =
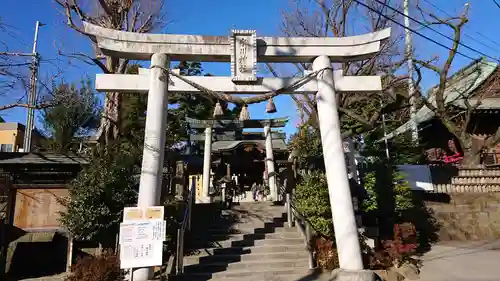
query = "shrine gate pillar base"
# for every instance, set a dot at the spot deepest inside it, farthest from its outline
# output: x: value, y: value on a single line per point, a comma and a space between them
x: 353, y: 275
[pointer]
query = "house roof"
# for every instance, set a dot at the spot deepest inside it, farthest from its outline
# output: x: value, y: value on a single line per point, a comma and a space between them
x: 11, y: 158
x: 11, y: 126
x: 17, y: 126
x: 460, y: 87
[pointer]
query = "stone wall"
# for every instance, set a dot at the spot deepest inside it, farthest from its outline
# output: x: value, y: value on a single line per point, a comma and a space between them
x: 467, y: 215
x: 35, y: 254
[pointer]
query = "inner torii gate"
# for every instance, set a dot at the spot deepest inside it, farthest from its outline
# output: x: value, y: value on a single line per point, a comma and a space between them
x: 224, y: 125
x: 244, y: 49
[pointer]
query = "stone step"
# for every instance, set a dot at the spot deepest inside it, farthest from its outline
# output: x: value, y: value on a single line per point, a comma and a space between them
x: 248, y: 250
x: 270, y: 257
x: 250, y: 242
x: 475, y: 180
x: 237, y: 226
x: 479, y: 172
x: 200, y: 236
x: 252, y: 266
x: 250, y: 230
x: 249, y: 275
x: 461, y: 188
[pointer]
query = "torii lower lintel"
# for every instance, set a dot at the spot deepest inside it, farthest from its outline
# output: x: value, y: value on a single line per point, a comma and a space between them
x: 133, y: 83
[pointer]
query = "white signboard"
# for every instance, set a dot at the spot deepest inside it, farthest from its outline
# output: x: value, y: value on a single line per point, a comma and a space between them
x: 141, y: 254
x: 418, y: 176
x: 141, y: 237
x: 153, y: 230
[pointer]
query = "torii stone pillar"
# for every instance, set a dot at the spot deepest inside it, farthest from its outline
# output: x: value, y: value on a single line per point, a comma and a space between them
x: 154, y: 144
x: 207, y: 165
x: 270, y: 162
x: 344, y: 223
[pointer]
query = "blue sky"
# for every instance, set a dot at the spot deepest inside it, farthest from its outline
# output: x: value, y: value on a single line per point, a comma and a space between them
x: 218, y: 18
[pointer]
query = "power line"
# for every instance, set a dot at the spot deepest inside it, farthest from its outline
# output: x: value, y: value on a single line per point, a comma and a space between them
x: 436, y: 31
x: 465, y: 34
x: 496, y: 3
x: 414, y: 31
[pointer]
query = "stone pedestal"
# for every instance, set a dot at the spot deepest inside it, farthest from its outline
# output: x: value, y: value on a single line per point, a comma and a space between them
x: 353, y: 275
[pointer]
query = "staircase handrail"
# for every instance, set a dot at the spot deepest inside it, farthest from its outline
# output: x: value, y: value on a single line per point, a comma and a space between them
x: 186, y: 225
x: 305, y: 226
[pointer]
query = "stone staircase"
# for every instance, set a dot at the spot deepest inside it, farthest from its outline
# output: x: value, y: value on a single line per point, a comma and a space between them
x: 477, y: 180
x: 249, y: 242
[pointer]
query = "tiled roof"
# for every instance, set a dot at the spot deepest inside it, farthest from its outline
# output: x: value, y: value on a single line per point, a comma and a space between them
x: 459, y: 86
x: 10, y: 158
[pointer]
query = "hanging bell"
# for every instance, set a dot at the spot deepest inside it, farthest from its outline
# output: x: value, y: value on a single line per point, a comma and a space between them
x: 218, y: 110
x: 244, y: 114
x: 270, y: 107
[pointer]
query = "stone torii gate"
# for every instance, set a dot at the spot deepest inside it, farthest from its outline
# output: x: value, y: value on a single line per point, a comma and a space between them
x: 231, y: 125
x: 244, y: 49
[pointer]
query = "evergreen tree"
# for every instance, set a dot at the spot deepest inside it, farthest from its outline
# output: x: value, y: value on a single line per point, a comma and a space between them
x: 76, y: 114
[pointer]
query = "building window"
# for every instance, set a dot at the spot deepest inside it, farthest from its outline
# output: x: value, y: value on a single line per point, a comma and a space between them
x: 6, y: 148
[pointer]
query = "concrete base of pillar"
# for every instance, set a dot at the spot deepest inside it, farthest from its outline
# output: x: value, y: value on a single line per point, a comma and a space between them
x: 353, y: 275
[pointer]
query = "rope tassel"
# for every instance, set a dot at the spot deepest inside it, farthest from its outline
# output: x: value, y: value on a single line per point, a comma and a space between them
x: 218, y: 110
x: 270, y: 107
x: 244, y: 114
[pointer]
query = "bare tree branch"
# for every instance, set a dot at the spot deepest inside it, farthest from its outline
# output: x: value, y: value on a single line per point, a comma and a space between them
x: 140, y: 16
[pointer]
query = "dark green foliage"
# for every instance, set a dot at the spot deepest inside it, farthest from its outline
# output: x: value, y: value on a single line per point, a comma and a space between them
x: 401, y: 192
x: 174, y: 212
x: 76, y: 113
x: 401, y: 149
x: 97, y: 198
x: 313, y: 202
x: 307, y: 144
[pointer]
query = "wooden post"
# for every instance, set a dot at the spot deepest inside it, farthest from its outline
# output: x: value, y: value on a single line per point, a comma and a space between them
x: 289, y: 210
x: 178, y: 265
x: 309, y: 245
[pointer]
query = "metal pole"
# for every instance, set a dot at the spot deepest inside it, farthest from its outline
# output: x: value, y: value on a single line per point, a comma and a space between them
x: 408, y: 42
x: 32, y: 93
x: 385, y: 135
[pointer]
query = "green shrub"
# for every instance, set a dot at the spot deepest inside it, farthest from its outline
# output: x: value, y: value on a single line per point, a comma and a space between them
x: 96, y: 200
x: 374, y: 187
x: 312, y: 201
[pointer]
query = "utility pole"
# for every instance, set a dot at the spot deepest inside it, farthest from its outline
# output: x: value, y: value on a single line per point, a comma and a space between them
x: 30, y: 118
x: 409, y: 56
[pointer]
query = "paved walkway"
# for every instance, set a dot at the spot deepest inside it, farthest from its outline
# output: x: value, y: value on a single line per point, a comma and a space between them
x: 462, y: 261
